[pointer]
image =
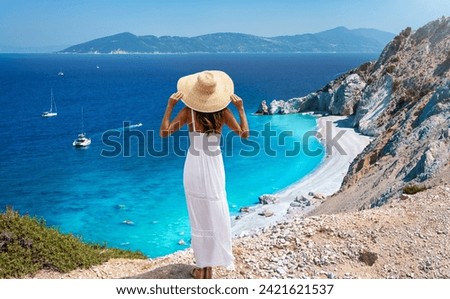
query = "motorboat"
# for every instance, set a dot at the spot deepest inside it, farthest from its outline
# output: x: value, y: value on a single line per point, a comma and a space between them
x: 81, y: 141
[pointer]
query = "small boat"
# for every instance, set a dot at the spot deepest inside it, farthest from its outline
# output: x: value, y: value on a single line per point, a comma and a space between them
x: 51, y: 113
x: 81, y: 140
x: 60, y: 73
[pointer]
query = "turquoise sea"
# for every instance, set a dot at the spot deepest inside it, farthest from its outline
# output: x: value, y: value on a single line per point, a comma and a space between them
x: 129, y: 174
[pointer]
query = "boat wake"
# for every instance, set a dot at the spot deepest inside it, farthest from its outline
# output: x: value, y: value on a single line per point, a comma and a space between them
x: 134, y: 126
x: 127, y: 125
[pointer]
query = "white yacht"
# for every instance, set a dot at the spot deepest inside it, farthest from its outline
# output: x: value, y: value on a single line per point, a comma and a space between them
x: 82, y: 140
x: 51, y: 113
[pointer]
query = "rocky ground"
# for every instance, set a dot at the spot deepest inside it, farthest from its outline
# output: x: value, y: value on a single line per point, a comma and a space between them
x: 407, y: 238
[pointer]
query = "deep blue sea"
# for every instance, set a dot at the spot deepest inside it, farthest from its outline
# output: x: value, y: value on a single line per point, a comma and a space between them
x: 91, y: 192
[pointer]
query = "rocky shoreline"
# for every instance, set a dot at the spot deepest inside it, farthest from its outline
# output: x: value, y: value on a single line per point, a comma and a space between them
x: 403, y: 101
x: 303, y: 196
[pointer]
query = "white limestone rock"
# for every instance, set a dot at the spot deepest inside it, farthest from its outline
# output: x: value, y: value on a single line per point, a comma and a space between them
x: 375, y: 99
x: 347, y: 95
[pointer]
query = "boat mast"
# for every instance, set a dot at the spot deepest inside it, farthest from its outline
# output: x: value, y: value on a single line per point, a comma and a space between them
x: 51, y: 100
x: 82, y: 121
x: 54, y: 103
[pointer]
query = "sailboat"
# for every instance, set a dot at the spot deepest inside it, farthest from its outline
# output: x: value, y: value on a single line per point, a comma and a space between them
x: 51, y: 113
x: 82, y: 140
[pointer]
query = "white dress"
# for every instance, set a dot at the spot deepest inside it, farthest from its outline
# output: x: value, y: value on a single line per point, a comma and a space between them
x: 204, y: 187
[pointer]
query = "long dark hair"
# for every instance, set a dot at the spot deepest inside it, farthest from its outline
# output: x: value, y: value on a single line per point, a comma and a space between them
x: 211, y: 122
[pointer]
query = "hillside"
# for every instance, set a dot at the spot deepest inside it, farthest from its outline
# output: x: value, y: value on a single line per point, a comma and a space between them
x: 337, y: 40
x: 403, y: 101
x: 388, y: 242
x: 27, y: 246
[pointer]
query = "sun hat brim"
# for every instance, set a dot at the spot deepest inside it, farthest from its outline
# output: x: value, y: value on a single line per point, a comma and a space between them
x: 199, y: 99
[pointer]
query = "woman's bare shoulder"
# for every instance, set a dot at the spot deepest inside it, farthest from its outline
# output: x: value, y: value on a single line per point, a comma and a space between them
x: 227, y: 112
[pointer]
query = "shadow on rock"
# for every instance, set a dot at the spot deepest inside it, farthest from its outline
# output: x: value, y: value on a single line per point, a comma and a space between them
x: 346, y: 122
x: 175, y: 271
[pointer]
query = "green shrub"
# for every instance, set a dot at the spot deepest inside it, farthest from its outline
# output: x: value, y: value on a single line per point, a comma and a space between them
x: 395, y: 59
x: 390, y: 68
x: 395, y: 85
x: 413, y: 189
x: 27, y: 245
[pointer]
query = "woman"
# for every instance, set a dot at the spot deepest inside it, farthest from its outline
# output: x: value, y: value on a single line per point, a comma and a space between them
x: 206, y: 96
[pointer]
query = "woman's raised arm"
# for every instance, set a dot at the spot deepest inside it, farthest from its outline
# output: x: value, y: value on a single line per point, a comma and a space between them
x: 168, y: 127
x: 239, y: 128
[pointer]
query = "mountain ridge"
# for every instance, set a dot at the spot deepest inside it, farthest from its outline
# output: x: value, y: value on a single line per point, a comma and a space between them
x: 339, y: 39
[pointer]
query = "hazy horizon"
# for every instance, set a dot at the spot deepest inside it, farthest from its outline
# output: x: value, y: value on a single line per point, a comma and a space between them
x: 55, y: 48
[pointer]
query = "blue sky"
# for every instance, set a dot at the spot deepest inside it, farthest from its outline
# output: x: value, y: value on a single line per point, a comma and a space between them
x: 35, y: 23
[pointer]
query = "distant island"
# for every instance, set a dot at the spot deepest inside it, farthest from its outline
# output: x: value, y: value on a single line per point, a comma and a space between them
x: 337, y: 40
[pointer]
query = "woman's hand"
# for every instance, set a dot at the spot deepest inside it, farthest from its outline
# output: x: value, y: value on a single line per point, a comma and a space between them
x: 174, y: 98
x: 237, y: 102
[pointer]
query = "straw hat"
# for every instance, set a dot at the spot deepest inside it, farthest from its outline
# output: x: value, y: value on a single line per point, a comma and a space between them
x: 207, y: 91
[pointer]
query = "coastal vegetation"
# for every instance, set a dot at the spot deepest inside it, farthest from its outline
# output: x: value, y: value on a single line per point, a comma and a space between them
x: 413, y: 189
x: 28, y: 245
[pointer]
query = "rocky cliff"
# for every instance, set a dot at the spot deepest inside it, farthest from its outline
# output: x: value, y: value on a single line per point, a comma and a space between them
x: 403, y: 100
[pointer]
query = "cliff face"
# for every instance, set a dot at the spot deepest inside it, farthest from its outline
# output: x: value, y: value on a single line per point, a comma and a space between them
x: 403, y: 100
